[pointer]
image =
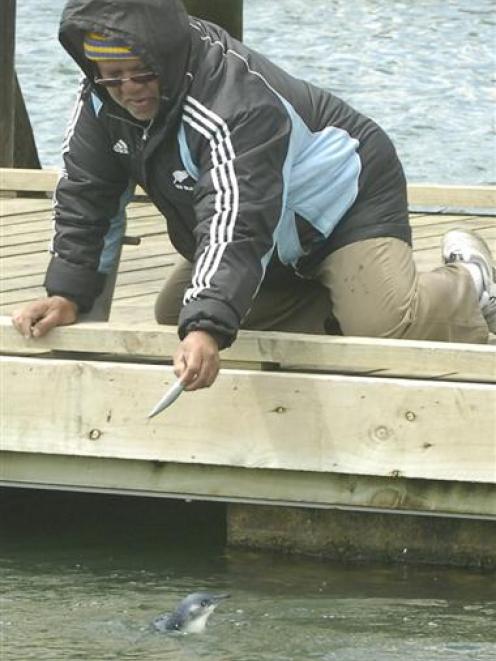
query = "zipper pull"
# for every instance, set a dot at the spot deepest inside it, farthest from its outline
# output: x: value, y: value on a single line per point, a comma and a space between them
x: 146, y: 131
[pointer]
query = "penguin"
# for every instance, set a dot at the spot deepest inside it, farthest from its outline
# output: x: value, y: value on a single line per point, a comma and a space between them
x: 191, y: 615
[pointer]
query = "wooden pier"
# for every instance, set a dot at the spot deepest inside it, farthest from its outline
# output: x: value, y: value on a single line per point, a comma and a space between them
x: 296, y: 429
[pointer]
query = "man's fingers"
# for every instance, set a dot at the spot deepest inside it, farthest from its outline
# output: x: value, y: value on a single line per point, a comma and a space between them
x: 38, y: 317
x: 196, y: 362
x: 191, y: 375
x: 25, y: 319
x: 21, y: 324
x: 46, y: 323
x: 204, y: 376
x: 196, y: 374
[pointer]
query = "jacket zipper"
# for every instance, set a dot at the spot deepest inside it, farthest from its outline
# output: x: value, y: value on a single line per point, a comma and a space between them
x: 146, y: 130
x: 144, y: 138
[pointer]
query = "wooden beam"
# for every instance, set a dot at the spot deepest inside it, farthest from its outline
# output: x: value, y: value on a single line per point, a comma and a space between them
x: 483, y: 197
x: 409, y: 358
x: 249, y: 419
x: 27, y: 180
x: 261, y: 486
x: 461, y: 197
x: 34, y: 181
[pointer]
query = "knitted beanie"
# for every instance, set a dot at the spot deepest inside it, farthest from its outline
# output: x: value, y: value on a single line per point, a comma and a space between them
x: 98, y: 47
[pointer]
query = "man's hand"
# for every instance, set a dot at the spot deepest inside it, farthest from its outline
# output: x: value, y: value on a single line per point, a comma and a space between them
x: 196, y: 362
x: 37, y: 318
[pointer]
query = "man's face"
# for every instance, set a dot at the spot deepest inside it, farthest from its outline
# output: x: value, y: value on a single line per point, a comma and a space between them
x: 140, y: 99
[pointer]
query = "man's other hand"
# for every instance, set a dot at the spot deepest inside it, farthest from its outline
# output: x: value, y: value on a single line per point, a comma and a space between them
x: 196, y: 361
x: 37, y: 318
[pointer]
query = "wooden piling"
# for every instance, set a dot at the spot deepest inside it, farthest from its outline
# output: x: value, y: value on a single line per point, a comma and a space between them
x: 7, y: 82
x: 226, y: 13
x: 25, y: 151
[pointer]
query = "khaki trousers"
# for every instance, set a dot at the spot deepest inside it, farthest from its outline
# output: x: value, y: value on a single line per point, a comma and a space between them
x: 370, y: 288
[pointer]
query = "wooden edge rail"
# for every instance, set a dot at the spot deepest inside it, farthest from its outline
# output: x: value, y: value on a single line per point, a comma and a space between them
x: 483, y: 197
x: 381, y: 357
x: 256, y: 486
x: 34, y: 181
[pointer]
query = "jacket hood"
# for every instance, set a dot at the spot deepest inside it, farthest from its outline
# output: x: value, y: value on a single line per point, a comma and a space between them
x: 158, y: 30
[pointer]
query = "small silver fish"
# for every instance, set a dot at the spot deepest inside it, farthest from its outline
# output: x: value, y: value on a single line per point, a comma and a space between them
x: 169, y: 398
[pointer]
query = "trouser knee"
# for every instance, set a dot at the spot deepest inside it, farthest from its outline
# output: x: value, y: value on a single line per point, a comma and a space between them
x: 392, y: 323
x: 169, y: 301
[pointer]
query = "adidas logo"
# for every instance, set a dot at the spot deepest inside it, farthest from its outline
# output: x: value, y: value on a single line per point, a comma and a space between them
x: 178, y: 177
x: 121, y: 147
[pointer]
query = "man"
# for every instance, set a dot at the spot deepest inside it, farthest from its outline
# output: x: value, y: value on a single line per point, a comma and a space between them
x: 280, y: 197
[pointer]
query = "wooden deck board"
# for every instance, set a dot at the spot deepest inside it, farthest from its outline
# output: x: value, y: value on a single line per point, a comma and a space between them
x: 26, y: 229
x: 401, y: 358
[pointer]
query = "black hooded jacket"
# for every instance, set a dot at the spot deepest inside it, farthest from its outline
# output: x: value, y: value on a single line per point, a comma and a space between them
x: 250, y: 166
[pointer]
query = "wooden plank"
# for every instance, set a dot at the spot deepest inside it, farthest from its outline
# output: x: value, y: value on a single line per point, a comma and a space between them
x: 43, y: 181
x: 17, y: 179
x: 13, y: 206
x: 439, y: 360
x: 20, y: 179
x: 21, y: 282
x: 260, y: 486
x: 21, y: 264
x: 137, y: 224
x: 143, y: 222
x: 430, y: 242
x: 452, y: 196
x: 17, y: 240
x: 135, y: 261
x: 20, y: 296
x: 25, y: 249
x: 144, y: 288
x: 440, y: 220
x: 435, y: 233
x: 125, y: 312
x: 19, y: 215
x: 20, y: 232
x: 39, y: 242
x: 250, y: 419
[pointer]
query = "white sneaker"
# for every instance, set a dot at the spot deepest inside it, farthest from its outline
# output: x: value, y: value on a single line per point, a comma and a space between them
x: 466, y: 246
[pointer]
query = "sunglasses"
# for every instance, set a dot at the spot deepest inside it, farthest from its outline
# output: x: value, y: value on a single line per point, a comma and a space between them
x: 139, y: 78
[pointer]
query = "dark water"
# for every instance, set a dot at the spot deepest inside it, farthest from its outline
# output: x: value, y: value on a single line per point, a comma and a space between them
x: 424, y: 70
x: 82, y: 576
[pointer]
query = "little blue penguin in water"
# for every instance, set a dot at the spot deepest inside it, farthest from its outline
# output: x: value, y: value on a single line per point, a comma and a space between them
x: 192, y: 613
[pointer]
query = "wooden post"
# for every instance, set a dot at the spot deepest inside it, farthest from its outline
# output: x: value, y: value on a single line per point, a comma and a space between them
x: 226, y: 13
x: 25, y: 152
x: 7, y: 82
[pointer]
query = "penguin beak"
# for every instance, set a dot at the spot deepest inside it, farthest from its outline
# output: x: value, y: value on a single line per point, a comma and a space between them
x: 220, y: 597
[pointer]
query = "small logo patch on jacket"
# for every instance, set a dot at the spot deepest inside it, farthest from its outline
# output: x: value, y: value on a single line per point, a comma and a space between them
x: 121, y: 147
x: 178, y: 177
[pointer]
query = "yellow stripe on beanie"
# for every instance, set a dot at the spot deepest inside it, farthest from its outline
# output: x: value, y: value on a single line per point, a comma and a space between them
x: 98, y: 47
